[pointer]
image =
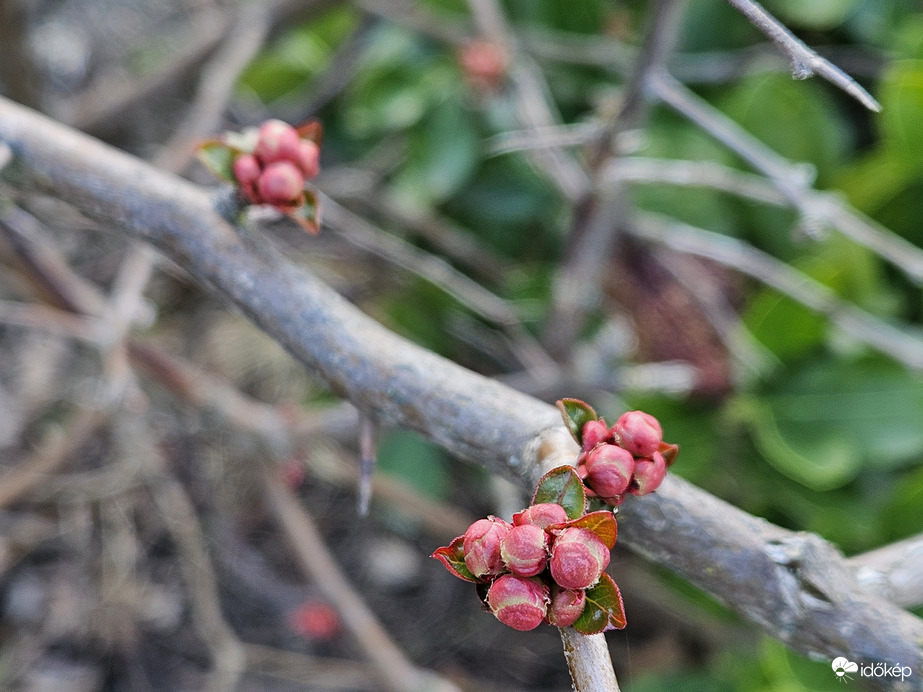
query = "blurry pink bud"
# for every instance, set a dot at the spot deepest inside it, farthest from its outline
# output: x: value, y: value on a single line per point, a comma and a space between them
x: 578, y: 557
x: 543, y: 515
x: 481, y: 546
x: 638, y: 432
x: 277, y: 141
x: 517, y: 602
x: 566, y: 606
x: 525, y: 550
x: 594, y: 432
x: 649, y: 474
x: 314, y: 620
x: 246, y: 169
x: 281, y: 184
x: 308, y: 158
x: 608, y: 470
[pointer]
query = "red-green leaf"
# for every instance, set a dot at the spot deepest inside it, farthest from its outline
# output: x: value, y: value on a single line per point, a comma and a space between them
x: 563, y: 486
x: 218, y: 157
x: 308, y: 214
x: 602, y: 523
x: 603, y: 610
x: 453, y: 557
x: 576, y: 414
x: 311, y: 130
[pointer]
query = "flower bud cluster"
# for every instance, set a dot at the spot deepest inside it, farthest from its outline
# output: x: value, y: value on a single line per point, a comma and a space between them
x: 628, y: 458
x: 276, y: 171
x: 537, y: 568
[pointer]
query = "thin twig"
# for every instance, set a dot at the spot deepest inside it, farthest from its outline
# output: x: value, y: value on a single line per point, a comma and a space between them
x: 805, y: 62
x: 904, y: 347
x: 792, y: 180
x: 398, y: 674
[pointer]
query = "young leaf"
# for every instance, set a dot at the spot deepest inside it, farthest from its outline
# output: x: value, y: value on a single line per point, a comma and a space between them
x: 453, y: 557
x: 603, y: 610
x: 576, y: 414
x: 218, y: 157
x: 311, y: 130
x: 308, y: 214
x: 562, y: 486
x: 602, y: 523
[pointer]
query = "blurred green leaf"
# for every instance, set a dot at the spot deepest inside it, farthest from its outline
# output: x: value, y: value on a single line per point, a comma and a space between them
x: 816, y: 14
x: 902, y: 97
x: 822, y: 423
x: 415, y: 461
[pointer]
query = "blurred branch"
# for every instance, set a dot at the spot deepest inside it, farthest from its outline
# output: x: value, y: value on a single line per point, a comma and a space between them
x: 793, y: 585
x: 805, y: 62
x: 792, y: 180
x: 397, y: 673
x: 894, y: 571
x: 904, y: 347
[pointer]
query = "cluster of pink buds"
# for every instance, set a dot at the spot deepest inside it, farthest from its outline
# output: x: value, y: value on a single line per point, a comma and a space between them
x: 538, y: 568
x: 628, y: 458
x: 548, y: 565
x: 276, y: 171
x: 271, y: 165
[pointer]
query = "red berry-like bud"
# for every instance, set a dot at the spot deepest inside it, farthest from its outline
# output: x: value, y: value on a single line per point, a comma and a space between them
x: 484, y: 64
x: 566, y: 606
x: 281, y: 184
x: 277, y: 141
x: 649, y: 474
x: 578, y: 557
x: 608, y: 470
x: 525, y: 550
x: 308, y: 158
x: 520, y: 603
x: 594, y: 432
x: 543, y: 515
x: 314, y: 620
x: 481, y: 546
x: 638, y: 432
x: 246, y: 169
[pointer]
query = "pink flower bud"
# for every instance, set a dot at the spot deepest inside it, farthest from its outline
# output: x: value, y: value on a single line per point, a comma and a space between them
x: 481, y: 546
x: 308, y: 158
x: 608, y: 470
x: 517, y: 602
x: 277, y: 141
x: 638, y: 432
x: 649, y: 474
x: 246, y: 169
x: 566, y: 606
x: 594, y: 432
x: 281, y: 184
x: 525, y: 550
x: 543, y: 515
x: 578, y: 557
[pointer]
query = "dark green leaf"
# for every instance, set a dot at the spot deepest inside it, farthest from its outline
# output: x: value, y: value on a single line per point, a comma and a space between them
x: 563, y: 486
x: 218, y: 157
x: 603, y: 610
x: 576, y: 414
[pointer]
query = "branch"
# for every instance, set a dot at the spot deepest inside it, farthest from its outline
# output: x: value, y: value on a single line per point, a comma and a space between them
x: 794, y: 586
x: 805, y: 62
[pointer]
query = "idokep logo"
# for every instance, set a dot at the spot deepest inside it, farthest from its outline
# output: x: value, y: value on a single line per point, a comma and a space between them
x: 842, y: 667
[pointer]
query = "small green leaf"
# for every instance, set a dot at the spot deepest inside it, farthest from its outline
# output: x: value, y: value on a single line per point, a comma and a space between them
x: 453, y: 557
x: 576, y: 414
x: 602, y: 523
x: 218, y: 157
x: 603, y: 610
x: 562, y: 486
